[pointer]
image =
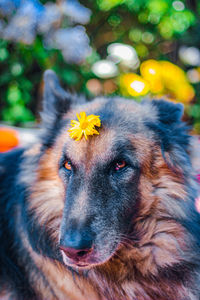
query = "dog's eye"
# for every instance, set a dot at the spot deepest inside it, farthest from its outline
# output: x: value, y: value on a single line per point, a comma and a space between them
x: 68, y: 165
x: 119, y: 165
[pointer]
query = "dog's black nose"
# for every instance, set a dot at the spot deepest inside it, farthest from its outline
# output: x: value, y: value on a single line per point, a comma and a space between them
x: 76, y: 245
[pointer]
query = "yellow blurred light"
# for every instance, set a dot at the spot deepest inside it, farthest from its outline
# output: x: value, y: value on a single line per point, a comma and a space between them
x: 184, y: 93
x: 158, y: 77
x: 176, y: 83
x: 133, y: 85
x: 151, y: 71
x: 137, y: 86
x: 171, y: 74
x: 151, y: 67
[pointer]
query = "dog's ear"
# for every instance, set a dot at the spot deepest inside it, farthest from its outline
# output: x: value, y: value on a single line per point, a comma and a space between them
x: 173, y: 133
x: 168, y: 112
x: 56, y: 101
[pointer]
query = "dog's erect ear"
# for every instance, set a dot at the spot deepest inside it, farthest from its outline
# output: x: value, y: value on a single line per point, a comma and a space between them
x: 168, y: 112
x: 56, y: 100
x: 173, y: 133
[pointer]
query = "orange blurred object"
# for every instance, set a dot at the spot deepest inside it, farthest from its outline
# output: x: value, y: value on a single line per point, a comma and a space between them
x: 8, y: 139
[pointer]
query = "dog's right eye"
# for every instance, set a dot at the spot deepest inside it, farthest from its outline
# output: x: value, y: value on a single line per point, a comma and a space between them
x: 68, y: 165
x: 119, y: 165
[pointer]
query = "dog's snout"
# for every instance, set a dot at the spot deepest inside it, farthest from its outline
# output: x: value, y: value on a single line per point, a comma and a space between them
x: 77, y: 245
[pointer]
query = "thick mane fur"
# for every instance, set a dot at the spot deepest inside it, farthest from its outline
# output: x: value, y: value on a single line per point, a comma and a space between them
x: 157, y: 255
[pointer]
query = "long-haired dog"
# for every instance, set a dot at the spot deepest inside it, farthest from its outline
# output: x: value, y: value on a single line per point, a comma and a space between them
x: 108, y: 218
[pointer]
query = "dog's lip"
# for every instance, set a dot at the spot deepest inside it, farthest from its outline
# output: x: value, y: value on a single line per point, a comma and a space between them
x: 82, y: 265
x: 71, y: 261
x: 92, y: 262
x: 77, y: 263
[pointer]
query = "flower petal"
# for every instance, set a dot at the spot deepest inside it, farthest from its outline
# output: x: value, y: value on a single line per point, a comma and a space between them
x: 84, y: 126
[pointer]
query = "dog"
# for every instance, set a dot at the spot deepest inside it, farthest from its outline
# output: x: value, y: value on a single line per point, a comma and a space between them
x: 110, y: 217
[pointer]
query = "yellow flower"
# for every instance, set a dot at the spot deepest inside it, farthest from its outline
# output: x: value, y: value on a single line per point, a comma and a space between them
x: 151, y: 71
x: 171, y: 74
x: 176, y: 82
x: 184, y: 92
x: 84, y: 126
x: 133, y: 85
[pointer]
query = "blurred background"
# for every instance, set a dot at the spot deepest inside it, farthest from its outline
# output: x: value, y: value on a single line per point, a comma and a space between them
x: 131, y: 48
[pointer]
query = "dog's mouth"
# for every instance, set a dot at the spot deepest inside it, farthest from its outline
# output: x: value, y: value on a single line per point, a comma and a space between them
x: 86, y: 261
x: 89, y: 260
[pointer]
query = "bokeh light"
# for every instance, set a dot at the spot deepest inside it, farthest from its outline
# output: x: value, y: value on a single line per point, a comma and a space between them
x: 124, y: 54
x: 133, y: 85
x: 151, y: 71
x: 190, y: 55
x: 100, y: 47
x: 105, y: 69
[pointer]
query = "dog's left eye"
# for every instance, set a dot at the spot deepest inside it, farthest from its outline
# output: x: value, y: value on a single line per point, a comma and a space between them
x: 119, y: 165
x: 68, y: 165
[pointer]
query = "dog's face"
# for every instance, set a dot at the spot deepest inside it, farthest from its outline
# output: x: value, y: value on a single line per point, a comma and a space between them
x: 100, y: 177
x: 91, y: 197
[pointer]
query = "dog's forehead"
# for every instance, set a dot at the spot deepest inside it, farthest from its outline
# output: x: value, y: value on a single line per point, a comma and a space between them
x: 119, y: 121
x: 96, y: 148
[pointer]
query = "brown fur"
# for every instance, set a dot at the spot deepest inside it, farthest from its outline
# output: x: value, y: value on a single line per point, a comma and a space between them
x: 160, y: 241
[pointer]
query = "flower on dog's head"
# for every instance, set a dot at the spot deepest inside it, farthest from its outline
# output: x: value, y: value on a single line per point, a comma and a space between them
x: 84, y: 126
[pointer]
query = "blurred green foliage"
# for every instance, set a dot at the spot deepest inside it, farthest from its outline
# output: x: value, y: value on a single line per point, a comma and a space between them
x: 155, y: 28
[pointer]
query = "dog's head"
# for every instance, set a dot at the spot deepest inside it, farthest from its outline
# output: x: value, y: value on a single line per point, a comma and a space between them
x: 121, y: 188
